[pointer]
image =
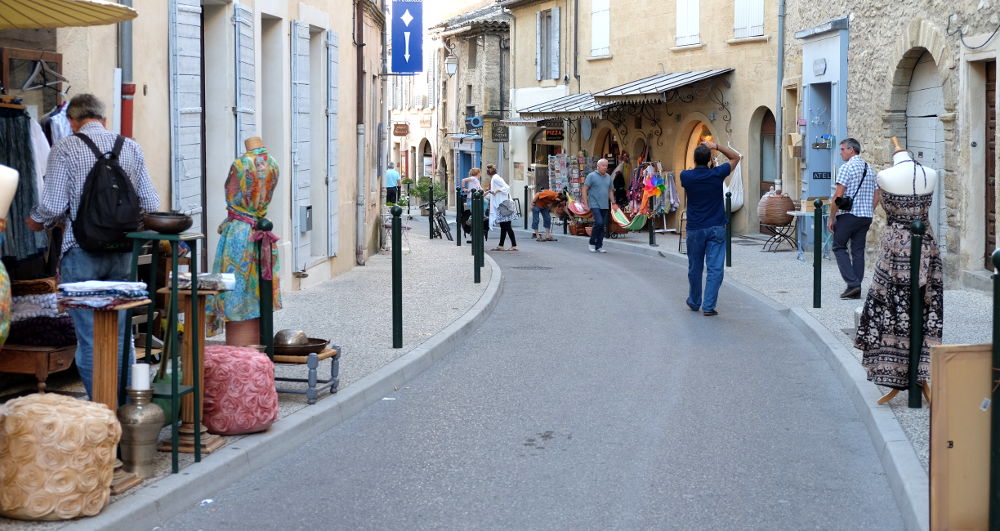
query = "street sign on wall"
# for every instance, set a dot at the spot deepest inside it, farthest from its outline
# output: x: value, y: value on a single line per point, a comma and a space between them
x: 407, y: 36
x: 500, y: 132
x: 400, y: 129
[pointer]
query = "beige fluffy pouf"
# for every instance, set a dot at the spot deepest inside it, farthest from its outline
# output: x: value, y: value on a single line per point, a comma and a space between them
x: 57, y: 457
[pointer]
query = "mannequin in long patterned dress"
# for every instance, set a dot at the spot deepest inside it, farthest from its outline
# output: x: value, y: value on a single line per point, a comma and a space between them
x: 249, y: 188
x: 906, y: 190
x: 8, y: 187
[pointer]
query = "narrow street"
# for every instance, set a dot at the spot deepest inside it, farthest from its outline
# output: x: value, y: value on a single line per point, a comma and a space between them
x: 590, y: 398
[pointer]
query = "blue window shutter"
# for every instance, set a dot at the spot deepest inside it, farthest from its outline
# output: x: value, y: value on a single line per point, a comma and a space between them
x: 185, y: 109
x: 332, y: 142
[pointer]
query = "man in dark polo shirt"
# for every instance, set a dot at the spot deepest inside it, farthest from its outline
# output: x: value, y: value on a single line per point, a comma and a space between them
x: 706, y: 225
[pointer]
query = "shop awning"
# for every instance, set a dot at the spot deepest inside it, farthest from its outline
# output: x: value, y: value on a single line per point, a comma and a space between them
x: 654, y: 88
x: 31, y: 14
x: 570, y: 106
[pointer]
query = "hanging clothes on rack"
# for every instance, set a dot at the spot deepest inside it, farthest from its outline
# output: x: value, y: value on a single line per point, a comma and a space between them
x: 56, y: 124
x: 20, y: 242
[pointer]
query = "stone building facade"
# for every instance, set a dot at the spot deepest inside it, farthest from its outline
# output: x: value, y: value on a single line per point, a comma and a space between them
x: 924, y: 72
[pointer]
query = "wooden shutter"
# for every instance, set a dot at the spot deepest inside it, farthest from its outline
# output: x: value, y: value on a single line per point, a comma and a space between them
x: 301, y: 145
x: 748, y: 18
x: 554, y: 36
x: 246, y: 86
x: 332, y: 142
x: 600, y: 28
x: 185, y: 109
x: 687, y: 22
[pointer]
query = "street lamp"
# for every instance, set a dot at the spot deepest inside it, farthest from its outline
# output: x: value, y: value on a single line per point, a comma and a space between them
x: 451, y: 65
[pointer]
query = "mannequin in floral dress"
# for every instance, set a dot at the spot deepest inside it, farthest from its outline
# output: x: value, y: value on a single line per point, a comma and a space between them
x: 905, y: 190
x: 249, y: 188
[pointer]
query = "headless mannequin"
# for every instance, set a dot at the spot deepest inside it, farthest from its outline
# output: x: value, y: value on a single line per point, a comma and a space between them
x: 8, y: 186
x: 241, y: 333
x: 899, y: 179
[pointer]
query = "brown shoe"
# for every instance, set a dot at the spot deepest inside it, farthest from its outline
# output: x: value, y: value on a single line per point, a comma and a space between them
x: 710, y: 313
x: 851, y: 293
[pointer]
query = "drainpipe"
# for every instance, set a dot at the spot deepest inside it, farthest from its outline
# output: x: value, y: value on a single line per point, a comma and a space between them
x: 125, y: 63
x: 779, y: 140
x: 360, y: 248
x: 576, y: 46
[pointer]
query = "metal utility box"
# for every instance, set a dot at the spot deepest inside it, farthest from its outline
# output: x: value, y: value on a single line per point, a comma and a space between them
x: 305, y: 218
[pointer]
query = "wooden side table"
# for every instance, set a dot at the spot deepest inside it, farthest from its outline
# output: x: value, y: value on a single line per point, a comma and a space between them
x: 209, y: 442
x: 40, y: 361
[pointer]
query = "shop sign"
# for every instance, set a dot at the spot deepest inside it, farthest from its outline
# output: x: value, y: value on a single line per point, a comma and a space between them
x: 425, y: 122
x: 500, y: 133
x: 553, y: 134
x: 401, y: 129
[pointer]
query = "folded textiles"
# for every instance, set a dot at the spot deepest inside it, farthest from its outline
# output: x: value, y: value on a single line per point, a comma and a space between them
x: 96, y: 294
x: 208, y: 281
x: 42, y: 332
x: 104, y: 286
x: 96, y: 302
x: 29, y: 306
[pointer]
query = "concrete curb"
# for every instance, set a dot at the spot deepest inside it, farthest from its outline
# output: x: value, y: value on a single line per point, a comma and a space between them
x: 907, y: 478
x: 161, y: 501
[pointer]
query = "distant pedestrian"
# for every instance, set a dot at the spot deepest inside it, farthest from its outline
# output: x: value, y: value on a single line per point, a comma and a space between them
x: 391, y: 184
x: 543, y: 203
x: 469, y: 185
x: 502, y: 213
x: 706, y: 225
x: 850, y: 219
x: 599, y: 197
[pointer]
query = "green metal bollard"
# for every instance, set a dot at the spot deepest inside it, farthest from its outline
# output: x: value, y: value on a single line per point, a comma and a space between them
x: 818, y: 253
x: 397, y: 278
x: 459, y: 210
x: 916, y: 311
x: 994, y: 400
x: 408, y: 198
x: 729, y: 229
x: 430, y: 207
x: 477, y: 234
x: 266, y: 295
x: 525, y: 207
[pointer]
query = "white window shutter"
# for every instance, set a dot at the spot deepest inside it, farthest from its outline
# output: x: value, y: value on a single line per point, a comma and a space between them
x: 600, y: 21
x: 538, y: 46
x: 755, y: 15
x: 185, y: 109
x: 554, y: 49
x: 301, y: 162
x: 687, y: 22
x: 741, y: 19
x: 246, y: 85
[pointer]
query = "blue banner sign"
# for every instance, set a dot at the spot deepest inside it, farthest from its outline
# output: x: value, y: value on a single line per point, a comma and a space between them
x: 407, y: 37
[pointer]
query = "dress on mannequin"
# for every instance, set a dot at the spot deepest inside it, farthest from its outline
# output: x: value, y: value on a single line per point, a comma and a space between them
x: 883, y: 336
x: 8, y: 186
x: 249, y: 188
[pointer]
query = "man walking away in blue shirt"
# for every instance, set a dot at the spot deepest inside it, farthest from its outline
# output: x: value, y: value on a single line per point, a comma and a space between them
x: 599, y: 196
x: 391, y: 184
x: 706, y: 225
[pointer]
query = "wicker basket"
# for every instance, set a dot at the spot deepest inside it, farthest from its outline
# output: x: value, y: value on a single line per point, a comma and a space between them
x: 577, y: 229
x: 773, y: 210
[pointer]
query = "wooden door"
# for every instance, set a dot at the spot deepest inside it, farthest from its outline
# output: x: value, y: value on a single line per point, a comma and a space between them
x: 767, y: 168
x: 991, y: 157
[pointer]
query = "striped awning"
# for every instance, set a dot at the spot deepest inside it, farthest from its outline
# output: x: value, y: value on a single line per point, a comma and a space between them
x: 569, y: 106
x: 654, y: 88
x: 32, y: 14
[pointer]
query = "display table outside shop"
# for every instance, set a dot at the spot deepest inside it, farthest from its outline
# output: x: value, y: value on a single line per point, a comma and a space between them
x: 802, y: 220
x: 779, y: 234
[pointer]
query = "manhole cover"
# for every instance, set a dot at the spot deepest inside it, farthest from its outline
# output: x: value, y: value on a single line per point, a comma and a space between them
x: 532, y: 268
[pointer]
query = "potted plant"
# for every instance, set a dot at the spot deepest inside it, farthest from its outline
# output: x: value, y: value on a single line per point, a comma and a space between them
x: 419, y: 193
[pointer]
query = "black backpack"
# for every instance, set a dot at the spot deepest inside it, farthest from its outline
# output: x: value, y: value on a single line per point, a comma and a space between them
x: 109, y: 206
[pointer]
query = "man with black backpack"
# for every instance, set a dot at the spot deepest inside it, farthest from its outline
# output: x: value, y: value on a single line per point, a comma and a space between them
x: 97, y: 183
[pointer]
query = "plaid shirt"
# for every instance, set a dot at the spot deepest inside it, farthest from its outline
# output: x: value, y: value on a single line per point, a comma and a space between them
x: 69, y: 163
x: 850, y: 175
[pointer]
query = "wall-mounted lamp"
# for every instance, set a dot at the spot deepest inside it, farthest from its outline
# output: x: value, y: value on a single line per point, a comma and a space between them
x: 451, y: 65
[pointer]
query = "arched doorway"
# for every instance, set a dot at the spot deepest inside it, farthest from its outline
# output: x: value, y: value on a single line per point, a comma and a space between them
x: 766, y: 167
x: 925, y: 132
x: 607, y: 146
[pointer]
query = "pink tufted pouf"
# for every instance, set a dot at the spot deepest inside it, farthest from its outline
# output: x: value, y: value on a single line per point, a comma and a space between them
x: 239, y: 390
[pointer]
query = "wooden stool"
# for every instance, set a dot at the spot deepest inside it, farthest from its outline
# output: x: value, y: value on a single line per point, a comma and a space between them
x: 186, y: 442
x: 312, y: 362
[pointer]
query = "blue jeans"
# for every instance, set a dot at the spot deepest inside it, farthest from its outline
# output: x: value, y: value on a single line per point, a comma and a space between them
x: 78, y: 265
x: 546, y: 218
x: 601, y: 217
x: 705, y: 247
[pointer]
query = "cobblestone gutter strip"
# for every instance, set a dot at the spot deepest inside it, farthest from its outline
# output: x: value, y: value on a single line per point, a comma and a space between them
x: 172, y: 495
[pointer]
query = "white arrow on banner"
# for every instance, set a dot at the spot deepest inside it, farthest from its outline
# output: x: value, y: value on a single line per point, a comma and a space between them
x: 406, y: 54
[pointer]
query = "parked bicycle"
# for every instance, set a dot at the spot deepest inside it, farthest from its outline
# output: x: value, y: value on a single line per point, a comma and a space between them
x: 440, y: 225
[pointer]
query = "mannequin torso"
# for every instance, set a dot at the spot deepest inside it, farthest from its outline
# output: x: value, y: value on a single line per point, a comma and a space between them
x: 8, y: 186
x: 900, y: 178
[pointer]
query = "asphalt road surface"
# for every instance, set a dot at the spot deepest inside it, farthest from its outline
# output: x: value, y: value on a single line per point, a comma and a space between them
x: 591, y: 398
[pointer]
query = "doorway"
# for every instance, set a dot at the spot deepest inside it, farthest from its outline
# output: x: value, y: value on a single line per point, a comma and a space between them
x: 766, y: 161
x: 925, y: 132
x: 991, y: 158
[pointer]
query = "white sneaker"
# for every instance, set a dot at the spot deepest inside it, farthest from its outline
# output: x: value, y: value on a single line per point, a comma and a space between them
x: 601, y: 250
x: 592, y: 248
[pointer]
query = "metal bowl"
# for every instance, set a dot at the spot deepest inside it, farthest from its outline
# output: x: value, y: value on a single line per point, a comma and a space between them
x: 312, y: 346
x: 290, y: 337
x: 167, y: 222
